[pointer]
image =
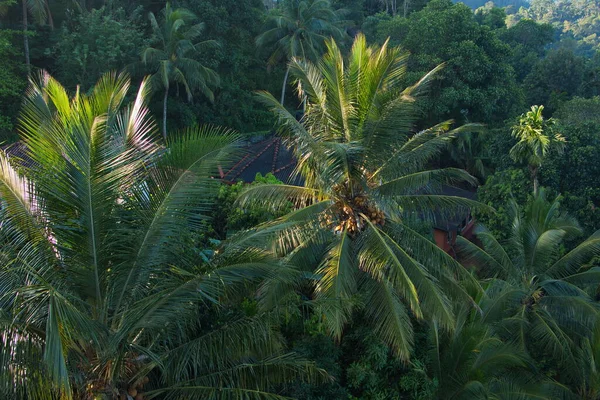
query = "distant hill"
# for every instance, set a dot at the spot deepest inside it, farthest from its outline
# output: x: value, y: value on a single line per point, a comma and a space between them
x: 474, y: 4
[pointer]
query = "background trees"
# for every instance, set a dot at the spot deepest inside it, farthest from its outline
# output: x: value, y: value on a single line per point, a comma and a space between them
x: 299, y: 29
x: 235, y: 24
x: 477, y: 81
x: 12, y: 84
x: 81, y: 58
x: 174, y: 59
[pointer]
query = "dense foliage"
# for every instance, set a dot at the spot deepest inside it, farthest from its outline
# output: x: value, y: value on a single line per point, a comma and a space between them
x: 128, y: 270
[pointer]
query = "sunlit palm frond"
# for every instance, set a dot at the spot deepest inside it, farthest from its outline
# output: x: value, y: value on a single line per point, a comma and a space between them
x: 178, y: 194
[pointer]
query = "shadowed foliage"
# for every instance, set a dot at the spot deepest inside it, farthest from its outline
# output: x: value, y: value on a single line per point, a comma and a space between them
x: 539, y: 296
x: 174, y: 58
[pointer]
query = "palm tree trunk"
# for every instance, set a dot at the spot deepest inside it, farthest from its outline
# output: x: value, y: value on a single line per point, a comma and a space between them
x: 534, y: 171
x: 50, y: 19
x: 25, y: 36
x: 165, y: 113
x: 285, y: 79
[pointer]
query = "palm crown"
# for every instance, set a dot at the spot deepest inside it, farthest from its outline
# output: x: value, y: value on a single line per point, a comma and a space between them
x: 535, y: 293
x: 299, y: 29
x: 92, y: 282
x: 365, y: 177
x: 472, y: 362
x: 536, y: 138
x: 175, y: 55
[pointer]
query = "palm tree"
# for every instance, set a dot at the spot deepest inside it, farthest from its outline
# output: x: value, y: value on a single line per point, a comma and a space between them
x: 175, y: 56
x: 472, y: 362
x: 95, y: 298
x: 535, y: 292
x: 391, y: 7
x: 298, y: 29
x: 41, y: 11
x: 365, y: 179
x: 535, y: 139
x: 588, y: 376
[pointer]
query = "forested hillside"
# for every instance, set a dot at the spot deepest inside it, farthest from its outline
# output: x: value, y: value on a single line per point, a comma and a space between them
x: 424, y: 221
x: 513, y: 4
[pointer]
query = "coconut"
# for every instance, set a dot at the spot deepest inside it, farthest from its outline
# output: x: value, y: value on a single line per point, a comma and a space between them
x: 139, y: 397
x: 145, y: 379
x: 132, y: 391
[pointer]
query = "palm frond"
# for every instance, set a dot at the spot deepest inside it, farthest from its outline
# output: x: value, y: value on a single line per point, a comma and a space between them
x: 572, y: 261
x: 389, y: 315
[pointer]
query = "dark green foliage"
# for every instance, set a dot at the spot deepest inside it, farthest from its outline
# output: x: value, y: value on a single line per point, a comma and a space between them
x: 327, y: 354
x: 477, y: 83
x: 354, y: 10
x: 373, y: 373
x: 12, y: 84
x: 491, y: 16
x: 591, y: 81
x: 362, y: 365
x: 229, y: 218
x: 576, y: 174
x: 92, y: 43
x: 234, y: 24
x: 527, y: 40
x: 555, y: 79
x: 497, y: 192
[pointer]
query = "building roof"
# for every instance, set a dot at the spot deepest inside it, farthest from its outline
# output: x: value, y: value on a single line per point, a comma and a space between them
x: 451, y: 221
x: 263, y: 155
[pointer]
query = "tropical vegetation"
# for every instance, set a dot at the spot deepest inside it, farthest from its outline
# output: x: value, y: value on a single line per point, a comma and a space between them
x: 175, y: 56
x: 95, y: 283
x: 365, y: 173
x: 418, y: 216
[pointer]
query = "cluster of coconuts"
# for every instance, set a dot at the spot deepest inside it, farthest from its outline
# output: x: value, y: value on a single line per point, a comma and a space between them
x: 374, y: 214
x: 533, y: 299
x: 134, y: 389
x: 350, y: 214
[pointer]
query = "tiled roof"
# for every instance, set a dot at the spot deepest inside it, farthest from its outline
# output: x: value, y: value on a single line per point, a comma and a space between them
x: 264, y: 154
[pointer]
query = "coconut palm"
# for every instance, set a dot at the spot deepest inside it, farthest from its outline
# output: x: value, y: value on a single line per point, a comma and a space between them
x: 41, y: 11
x: 471, y: 362
x: 175, y: 56
x: 298, y: 29
x: 535, y: 293
x: 96, y: 299
x: 587, y: 381
x: 365, y: 178
x: 536, y: 138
